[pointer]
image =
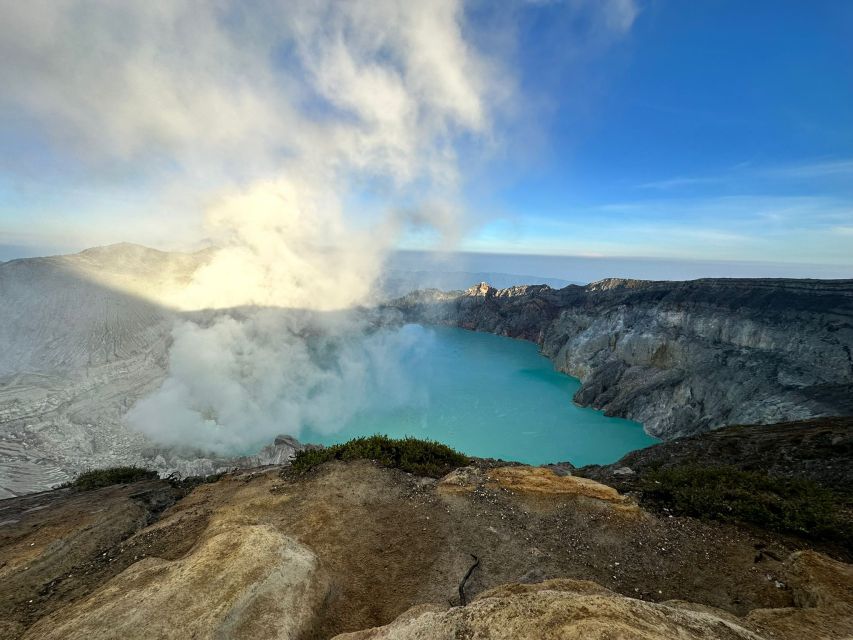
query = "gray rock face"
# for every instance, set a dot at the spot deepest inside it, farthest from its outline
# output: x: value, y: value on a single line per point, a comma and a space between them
x: 680, y: 357
x: 280, y: 453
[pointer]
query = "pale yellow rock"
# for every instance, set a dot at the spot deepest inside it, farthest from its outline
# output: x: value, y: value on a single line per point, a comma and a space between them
x: 540, y: 484
x: 461, y: 480
x: 542, y: 481
x: 238, y: 582
x: 557, y: 610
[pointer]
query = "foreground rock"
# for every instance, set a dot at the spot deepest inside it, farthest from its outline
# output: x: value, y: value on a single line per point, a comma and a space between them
x: 350, y: 547
x: 680, y: 357
x: 240, y: 582
x: 54, y: 546
x: 581, y: 610
x: 556, y: 610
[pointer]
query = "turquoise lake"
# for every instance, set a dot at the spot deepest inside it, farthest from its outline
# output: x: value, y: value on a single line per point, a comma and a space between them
x: 495, y: 397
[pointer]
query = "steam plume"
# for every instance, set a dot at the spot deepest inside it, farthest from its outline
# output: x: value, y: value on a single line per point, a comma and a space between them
x: 389, y: 88
x: 314, y: 131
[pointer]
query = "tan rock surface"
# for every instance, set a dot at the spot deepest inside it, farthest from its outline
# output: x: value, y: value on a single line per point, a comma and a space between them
x: 558, y: 610
x: 538, y: 483
x: 238, y: 582
x: 542, y: 481
x: 582, y: 610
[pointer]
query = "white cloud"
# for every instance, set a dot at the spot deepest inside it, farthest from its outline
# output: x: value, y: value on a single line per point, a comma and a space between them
x: 620, y: 14
x: 222, y: 87
x: 746, y: 173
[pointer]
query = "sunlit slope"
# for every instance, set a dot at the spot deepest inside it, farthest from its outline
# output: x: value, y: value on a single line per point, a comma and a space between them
x: 64, y: 313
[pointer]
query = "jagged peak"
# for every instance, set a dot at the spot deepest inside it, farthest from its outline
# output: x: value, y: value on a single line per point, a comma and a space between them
x: 485, y: 290
x: 614, y: 283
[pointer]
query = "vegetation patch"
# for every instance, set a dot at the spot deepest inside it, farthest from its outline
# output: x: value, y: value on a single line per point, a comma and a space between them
x: 786, y: 505
x: 420, y: 457
x: 97, y: 478
x: 191, y: 482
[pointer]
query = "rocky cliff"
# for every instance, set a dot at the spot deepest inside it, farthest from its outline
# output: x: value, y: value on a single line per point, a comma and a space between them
x: 680, y: 357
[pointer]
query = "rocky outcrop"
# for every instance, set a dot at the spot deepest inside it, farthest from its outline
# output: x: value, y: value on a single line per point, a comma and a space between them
x: 680, y: 357
x: 245, y: 581
x: 538, y: 482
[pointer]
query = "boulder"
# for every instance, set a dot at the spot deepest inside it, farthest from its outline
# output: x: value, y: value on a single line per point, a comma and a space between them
x: 245, y: 581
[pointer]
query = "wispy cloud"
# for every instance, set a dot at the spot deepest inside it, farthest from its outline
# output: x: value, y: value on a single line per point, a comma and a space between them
x: 813, y: 169
x: 617, y: 16
x: 748, y: 174
x: 678, y: 182
x: 803, y: 229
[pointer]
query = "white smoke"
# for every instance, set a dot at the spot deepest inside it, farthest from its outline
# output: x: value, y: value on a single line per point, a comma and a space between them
x: 235, y: 384
x: 394, y: 84
x: 316, y: 132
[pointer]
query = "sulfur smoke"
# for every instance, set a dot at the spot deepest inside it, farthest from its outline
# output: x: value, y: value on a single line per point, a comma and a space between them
x: 235, y: 384
x: 312, y: 133
x: 384, y: 91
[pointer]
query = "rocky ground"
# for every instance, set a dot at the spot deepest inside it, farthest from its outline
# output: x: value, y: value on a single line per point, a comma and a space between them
x: 679, y: 357
x: 349, y: 547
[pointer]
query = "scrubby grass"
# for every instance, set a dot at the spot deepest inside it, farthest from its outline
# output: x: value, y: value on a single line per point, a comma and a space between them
x: 97, y: 478
x: 421, y: 457
x: 786, y: 505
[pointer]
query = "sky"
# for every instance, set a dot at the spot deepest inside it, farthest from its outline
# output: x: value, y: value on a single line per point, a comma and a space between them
x: 717, y: 132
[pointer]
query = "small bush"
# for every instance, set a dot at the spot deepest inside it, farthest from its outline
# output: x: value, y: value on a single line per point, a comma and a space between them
x: 191, y: 482
x: 421, y: 457
x: 97, y: 478
x: 787, y: 505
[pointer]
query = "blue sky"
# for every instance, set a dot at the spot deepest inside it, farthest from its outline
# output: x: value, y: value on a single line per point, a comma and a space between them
x: 709, y: 131
x: 719, y: 130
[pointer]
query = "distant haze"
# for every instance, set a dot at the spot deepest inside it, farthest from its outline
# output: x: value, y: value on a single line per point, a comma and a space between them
x: 579, y: 269
x: 589, y: 269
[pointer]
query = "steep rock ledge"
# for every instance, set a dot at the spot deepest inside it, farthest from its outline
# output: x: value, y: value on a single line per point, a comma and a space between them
x: 680, y: 357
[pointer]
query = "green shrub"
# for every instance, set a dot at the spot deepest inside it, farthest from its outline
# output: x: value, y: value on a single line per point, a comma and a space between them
x: 787, y: 505
x: 191, y: 482
x: 421, y: 457
x: 97, y: 478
